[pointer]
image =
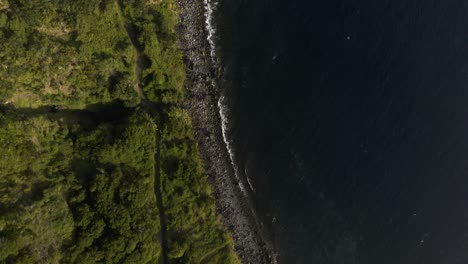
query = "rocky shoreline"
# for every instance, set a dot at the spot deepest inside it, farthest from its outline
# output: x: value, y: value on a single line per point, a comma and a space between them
x: 250, y: 237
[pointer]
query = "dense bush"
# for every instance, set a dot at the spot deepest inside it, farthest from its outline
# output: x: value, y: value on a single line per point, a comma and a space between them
x: 195, y: 234
x: 78, y: 194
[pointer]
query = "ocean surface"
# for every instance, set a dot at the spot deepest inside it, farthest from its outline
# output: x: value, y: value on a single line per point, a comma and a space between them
x: 350, y: 121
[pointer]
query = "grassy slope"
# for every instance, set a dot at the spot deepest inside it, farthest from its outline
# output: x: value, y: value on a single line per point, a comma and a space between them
x: 77, y: 167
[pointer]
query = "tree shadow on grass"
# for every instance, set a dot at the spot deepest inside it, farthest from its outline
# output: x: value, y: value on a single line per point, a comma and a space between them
x: 111, y: 112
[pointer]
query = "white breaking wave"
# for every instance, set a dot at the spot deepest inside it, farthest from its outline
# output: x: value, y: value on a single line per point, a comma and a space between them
x: 250, y: 184
x: 223, y: 112
x: 210, y: 7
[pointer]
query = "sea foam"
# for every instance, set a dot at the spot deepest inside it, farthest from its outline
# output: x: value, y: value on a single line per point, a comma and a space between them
x: 223, y: 112
x: 210, y: 7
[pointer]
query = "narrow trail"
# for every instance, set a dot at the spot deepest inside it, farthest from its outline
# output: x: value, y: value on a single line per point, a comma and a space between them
x: 159, y: 202
x: 147, y: 106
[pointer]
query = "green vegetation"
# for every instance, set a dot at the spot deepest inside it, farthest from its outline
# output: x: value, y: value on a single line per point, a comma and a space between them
x: 91, y: 133
x: 71, y: 192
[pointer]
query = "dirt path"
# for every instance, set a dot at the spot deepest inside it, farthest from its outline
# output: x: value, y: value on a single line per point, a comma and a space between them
x: 159, y: 202
x: 147, y: 106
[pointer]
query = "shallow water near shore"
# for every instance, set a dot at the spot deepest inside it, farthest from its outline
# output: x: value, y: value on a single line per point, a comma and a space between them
x: 350, y: 120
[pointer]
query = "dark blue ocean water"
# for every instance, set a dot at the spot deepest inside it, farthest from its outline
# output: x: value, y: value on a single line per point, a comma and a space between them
x: 351, y: 120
